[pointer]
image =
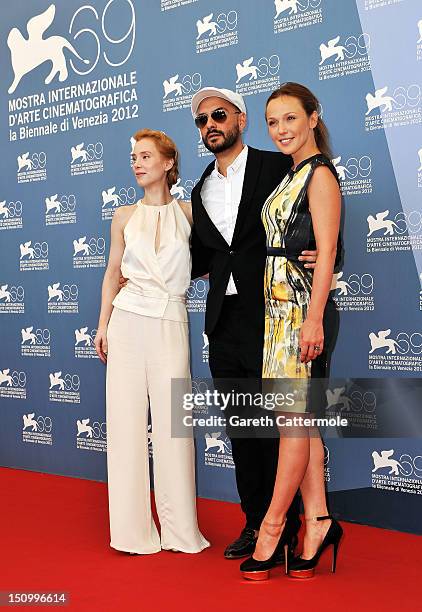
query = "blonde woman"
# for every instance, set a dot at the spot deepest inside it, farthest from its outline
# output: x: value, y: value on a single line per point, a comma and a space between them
x: 143, y: 337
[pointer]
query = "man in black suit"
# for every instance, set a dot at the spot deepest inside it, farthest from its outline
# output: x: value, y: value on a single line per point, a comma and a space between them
x: 228, y: 242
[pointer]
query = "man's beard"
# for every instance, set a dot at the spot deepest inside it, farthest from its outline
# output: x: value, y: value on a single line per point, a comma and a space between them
x: 228, y: 141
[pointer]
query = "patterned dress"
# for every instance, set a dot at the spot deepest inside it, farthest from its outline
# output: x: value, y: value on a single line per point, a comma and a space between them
x: 287, y: 284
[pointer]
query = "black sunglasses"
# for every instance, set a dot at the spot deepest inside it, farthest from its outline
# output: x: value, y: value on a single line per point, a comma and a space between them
x: 219, y: 115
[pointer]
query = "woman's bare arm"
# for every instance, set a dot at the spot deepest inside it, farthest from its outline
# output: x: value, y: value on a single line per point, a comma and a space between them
x: 110, y: 286
x: 325, y: 207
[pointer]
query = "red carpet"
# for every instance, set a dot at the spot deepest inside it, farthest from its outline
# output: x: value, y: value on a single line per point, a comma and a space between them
x: 54, y: 537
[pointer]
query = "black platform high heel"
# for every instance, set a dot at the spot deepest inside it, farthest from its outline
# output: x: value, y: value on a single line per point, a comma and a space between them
x: 252, y: 569
x: 305, y: 568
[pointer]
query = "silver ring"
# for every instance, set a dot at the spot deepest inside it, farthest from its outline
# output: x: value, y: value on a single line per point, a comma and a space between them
x: 317, y: 348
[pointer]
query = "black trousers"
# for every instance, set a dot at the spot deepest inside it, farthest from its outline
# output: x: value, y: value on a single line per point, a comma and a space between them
x: 235, y: 352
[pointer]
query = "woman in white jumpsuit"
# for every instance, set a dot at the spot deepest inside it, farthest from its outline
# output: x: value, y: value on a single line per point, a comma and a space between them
x: 143, y: 336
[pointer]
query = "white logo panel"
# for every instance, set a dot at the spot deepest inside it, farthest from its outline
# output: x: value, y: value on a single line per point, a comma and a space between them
x: 60, y: 209
x: 218, y: 451
x: 33, y: 256
x: 86, y: 158
x: 294, y: 14
x: 35, y: 342
x: 196, y: 295
x: 375, y: 4
x: 402, y: 474
x: 216, y: 31
x: 63, y: 298
x: 259, y: 75
x: 12, y: 384
x: 32, y: 167
x: 12, y: 299
x: 401, y: 352
x: 84, y: 343
x: 37, y: 429
x: 354, y: 174
x: 89, y: 252
x: 168, y: 5
x: 178, y: 90
x: 344, y: 56
x: 402, y: 232
x: 10, y: 215
x: 111, y: 198
x: 91, y: 436
x: 391, y: 108
x: 64, y: 388
x: 353, y: 293
x: 357, y: 405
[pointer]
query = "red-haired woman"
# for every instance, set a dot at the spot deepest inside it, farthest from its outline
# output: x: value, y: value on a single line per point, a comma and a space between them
x: 143, y: 337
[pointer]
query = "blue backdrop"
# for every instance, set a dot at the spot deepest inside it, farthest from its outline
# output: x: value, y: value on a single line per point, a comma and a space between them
x: 77, y: 81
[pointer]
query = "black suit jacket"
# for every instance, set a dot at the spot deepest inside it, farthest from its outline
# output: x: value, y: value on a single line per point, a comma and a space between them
x: 245, y: 256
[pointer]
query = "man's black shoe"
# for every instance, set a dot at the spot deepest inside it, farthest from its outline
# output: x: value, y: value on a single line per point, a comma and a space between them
x: 244, y: 546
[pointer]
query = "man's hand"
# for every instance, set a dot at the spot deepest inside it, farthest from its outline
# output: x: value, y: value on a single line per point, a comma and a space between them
x: 122, y: 281
x: 310, y: 258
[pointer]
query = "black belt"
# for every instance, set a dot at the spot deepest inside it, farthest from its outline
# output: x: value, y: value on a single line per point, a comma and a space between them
x: 282, y: 252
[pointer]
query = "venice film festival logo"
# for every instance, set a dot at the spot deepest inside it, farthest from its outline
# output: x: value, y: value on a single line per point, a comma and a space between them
x: 93, y: 38
x: 10, y: 215
x: 63, y: 299
x: 12, y: 299
x: 89, y: 252
x: 91, y: 437
x: 294, y: 14
x: 216, y: 32
x: 419, y: 42
x: 178, y: 91
x: 84, y: 343
x: 374, y: 4
x: 86, y: 158
x: 33, y: 256
x: 260, y: 76
x: 353, y: 293
x: 402, y: 352
x: 35, y: 342
x: 196, y: 295
x: 37, y: 429
x: 401, y: 233
x: 60, y: 210
x: 64, y: 388
x: 420, y: 167
x: 182, y: 189
x: 399, y: 108
x: 218, y: 451
x: 358, y: 405
x: 354, y: 175
x: 32, y: 167
x: 112, y: 200
x: 168, y: 5
x: 341, y: 58
x: 12, y: 384
x: 402, y: 475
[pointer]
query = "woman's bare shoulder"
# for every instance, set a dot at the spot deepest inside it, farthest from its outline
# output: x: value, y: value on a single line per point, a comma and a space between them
x: 122, y: 215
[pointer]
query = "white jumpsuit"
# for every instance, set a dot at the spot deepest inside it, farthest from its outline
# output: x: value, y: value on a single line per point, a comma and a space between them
x: 147, y: 347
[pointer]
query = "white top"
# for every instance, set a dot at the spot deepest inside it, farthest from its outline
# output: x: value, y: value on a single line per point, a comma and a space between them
x: 157, y: 282
x: 221, y: 197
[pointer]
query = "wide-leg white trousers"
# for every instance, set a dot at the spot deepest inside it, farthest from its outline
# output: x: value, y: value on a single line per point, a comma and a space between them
x: 144, y: 354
